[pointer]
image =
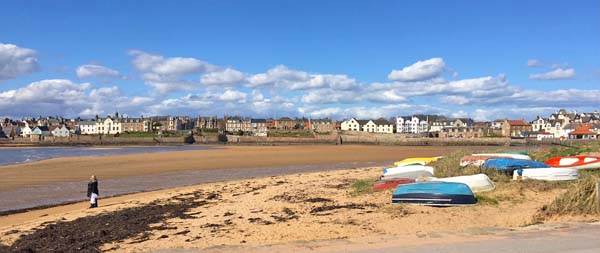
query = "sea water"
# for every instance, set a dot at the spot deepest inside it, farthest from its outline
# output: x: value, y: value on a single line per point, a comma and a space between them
x: 32, y: 154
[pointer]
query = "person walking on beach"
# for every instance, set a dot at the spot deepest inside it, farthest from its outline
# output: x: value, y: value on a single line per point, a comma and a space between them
x: 92, y: 191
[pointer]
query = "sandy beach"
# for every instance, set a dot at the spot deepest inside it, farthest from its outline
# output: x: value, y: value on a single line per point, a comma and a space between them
x: 307, y: 210
x: 267, y: 211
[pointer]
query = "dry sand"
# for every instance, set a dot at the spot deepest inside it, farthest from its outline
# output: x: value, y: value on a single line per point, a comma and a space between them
x: 278, y: 210
x: 227, y: 157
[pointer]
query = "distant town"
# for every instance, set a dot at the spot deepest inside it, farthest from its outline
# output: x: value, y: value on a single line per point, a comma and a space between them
x: 560, y: 125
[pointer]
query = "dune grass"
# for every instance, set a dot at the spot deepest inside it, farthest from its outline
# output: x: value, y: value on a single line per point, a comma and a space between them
x: 579, y: 199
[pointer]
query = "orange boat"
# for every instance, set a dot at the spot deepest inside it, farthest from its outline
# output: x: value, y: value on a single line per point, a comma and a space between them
x: 391, y: 183
x: 575, y: 162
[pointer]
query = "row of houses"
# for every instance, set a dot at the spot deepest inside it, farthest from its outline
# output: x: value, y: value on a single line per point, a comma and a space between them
x: 561, y: 124
x: 112, y: 125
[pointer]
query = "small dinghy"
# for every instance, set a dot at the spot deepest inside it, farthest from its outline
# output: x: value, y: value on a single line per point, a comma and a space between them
x: 396, y: 170
x: 509, y: 164
x: 575, y: 162
x: 510, y: 155
x: 547, y: 174
x: 412, y: 174
x: 434, y: 194
x: 477, y: 183
x: 391, y: 183
x: 477, y: 160
x: 426, y: 160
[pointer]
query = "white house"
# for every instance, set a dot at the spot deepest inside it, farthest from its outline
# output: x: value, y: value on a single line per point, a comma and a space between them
x: 87, y: 127
x: 25, y: 130
x: 353, y: 125
x: 380, y: 126
x: 414, y: 124
x: 108, y: 125
x: 539, y: 124
x: 60, y: 131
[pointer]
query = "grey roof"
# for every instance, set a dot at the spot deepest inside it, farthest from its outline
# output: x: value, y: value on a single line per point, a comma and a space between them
x: 258, y: 121
x: 87, y: 122
x: 382, y: 121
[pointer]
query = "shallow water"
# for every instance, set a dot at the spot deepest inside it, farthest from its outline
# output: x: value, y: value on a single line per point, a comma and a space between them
x: 56, y: 193
x: 24, y: 155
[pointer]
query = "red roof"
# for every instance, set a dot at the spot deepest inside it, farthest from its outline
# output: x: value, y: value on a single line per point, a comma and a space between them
x: 583, y: 130
x: 517, y: 122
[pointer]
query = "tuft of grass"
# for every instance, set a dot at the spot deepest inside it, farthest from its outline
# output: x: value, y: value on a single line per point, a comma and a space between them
x: 579, y: 199
x: 449, y: 166
x: 486, y: 200
x: 361, y: 187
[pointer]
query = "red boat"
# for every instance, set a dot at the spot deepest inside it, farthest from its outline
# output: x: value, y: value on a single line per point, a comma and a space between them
x: 575, y: 162
x: 391, y: 183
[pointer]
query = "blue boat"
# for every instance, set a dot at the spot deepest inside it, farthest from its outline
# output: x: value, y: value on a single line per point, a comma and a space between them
x: 434, y: 193
x: 509, y: 164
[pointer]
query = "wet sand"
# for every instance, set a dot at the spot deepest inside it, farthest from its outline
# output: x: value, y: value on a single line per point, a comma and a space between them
x: 69, y: 169
x: 62, y: 180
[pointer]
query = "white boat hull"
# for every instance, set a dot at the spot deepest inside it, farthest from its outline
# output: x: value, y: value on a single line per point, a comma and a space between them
x: 409, y: 174
x: 547, y: 174
x: 405, y: 169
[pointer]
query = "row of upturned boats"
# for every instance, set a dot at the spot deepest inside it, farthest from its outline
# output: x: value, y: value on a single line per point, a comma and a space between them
x: 415, y: 182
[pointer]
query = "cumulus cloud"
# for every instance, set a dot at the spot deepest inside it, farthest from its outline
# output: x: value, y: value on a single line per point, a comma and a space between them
x: 16, y: 61
x: 67, y: 98
x: 282, y: 76
x: 533, y: 63
x: 225, y: 77
x: 92, y: 70
x: 419, y: 71
x: 167, y: 74
x: 556, y: 74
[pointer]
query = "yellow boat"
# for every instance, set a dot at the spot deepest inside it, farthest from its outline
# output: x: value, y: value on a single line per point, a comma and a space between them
x: 426, y: 160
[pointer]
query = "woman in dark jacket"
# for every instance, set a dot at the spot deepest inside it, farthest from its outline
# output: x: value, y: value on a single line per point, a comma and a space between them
x: 92, y: 191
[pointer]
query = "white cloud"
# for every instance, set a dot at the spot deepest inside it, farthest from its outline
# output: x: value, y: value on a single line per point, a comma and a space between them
x: 282, y: 76
x: 225, y: 77
x: 533, y: 63
x: 92, y: 70
x: 556, y: 74
x: 16, y: 61
x: 168, y: 74
x: 419, y: 71
x: 456, y: 100
x: 146, y: 62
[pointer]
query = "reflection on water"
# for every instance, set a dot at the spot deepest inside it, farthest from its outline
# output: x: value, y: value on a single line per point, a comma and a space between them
x: 23, y: 155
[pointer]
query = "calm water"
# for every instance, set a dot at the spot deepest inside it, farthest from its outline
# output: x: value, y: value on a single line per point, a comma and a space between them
x: 23, y: 155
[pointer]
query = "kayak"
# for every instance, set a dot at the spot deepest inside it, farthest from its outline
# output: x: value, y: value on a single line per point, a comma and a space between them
x: 547, y: 174
x: 575, y: 162
x: 477, y: 183
x: 391, y: 183
x: 418, y: 159
x: 514, y: 156
x: 396, y: 170
x: 434, y: 194
x: 476, y: 160
x: 509, y: 164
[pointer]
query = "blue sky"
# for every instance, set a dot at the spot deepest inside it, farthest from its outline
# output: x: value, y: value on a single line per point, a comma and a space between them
x: 480, y: 59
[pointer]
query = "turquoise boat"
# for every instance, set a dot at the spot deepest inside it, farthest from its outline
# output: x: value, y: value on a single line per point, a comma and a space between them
x: 434, y: 193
